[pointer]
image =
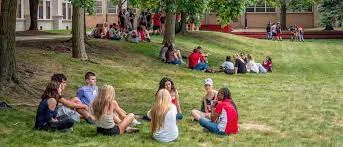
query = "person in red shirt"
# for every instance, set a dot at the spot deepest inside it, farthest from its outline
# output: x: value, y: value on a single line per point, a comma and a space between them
x: 268, y: 64
x: 157, y: 23
x: 224, y: 116
x: 197, y: 61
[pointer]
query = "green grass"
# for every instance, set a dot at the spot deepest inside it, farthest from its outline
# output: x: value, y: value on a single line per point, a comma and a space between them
x: 301, y: 101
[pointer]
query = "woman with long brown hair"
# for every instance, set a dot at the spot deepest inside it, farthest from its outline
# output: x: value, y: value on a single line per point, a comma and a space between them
x: 104, y: 108
x: 46, y: 118
x: 163, y: 118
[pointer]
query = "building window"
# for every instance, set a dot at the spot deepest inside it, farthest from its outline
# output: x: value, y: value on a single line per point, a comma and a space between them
x: 40, y: 10
x: 64, y: 8
x: 112, y: 8
x: 18, y: 9
x: 69, y: 11
x: 300, y: 9
x: 98, y: 7
x: 260, y: 7
x: 48, y: 10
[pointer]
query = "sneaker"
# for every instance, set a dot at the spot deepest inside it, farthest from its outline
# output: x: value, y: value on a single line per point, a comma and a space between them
x: 135, y: 123
x: 131, y: 130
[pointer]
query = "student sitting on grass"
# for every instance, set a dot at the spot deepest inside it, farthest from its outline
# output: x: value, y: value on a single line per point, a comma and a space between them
x: 268, y: 64
x: 207, y: 101
x: 163, y: 118
x: 224, y: 115
x: 113, y: 33
x: 240, y: 65
x: 132, y: 37
x: 227, y: 66
x: 104, y: 108
x: 197, y: 60
x: 88, y: 93
x: 71, y: 107
x: 167, y: 83
x: 173, y: 56
x: 251, y: 66
x: 96, y: 32
x: 46, y: 118
x: 163, y: 51
x: 104, y: 33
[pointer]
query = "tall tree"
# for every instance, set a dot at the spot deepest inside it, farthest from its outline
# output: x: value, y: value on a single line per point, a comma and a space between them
x: 119, y: 3
x: 228, y: 10
x: 78, y: 30
x: 169, y: 34
x: 331, y: 13
x: 7, y: 42
x: 190, y: 8
x: 33, y: 14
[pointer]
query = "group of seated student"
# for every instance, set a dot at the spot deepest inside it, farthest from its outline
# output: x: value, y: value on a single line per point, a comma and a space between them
x: 139, y: 35
x: 218, y: 111
x: 106, y: 32
x: 169, y: 54
x: 245, y: 64
x: 220, y: 114
x: 198, y: 60
x: 55, y: 112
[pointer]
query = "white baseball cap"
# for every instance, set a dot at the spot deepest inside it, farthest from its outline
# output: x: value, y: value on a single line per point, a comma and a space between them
x: 208, y: 81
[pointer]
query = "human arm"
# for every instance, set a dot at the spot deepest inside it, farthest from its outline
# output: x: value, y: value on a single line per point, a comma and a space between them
x: 72, y: 105
x: 215, y: 114
x: 178, y: 106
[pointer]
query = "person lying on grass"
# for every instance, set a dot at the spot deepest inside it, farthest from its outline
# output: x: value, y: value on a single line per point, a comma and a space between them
x: 87, y: 94
x: 224, y: 115
x: 197, y: 60
x: 227, y: 66
x: 107, y: 121
x: 163, y: 118
x: 73, y: 107
x: 46, y: 117
x: 173, y: 56
x: 254, y: 67
x: 208, y: 100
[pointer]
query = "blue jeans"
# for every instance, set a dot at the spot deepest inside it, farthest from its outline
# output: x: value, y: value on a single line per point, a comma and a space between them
x: 261, y: 68
x: 201, y: 66
x: 301, y: 37
x: 210, y: 126
x: 175, y: 62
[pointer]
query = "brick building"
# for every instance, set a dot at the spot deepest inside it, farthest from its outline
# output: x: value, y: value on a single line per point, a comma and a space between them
x: 57, y: 14
x: 261, y: 13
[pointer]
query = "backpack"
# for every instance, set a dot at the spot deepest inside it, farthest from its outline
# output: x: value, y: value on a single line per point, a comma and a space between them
x: 4, y: 105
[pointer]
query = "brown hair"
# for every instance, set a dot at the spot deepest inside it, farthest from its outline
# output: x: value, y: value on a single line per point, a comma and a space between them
x: 51, y: 91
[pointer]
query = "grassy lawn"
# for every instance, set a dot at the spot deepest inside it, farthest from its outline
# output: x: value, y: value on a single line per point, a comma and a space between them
x: 300, y: 103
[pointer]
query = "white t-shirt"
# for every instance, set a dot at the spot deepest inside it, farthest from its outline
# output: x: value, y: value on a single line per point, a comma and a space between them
x: 252, y: 67
x: 228, y: 65
x: 169, y: 131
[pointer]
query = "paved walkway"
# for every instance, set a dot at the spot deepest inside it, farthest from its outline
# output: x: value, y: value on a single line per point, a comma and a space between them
x: 41, y: 37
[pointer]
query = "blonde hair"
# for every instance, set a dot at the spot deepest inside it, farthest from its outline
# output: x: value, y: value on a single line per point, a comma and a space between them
x: 102, y: 102
x: 159, y: 109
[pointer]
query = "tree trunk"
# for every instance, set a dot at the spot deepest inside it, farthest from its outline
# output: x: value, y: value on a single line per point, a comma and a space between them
x: 283, y: 14
x: 169, y: 32
x: 79, y: 50
x: 85, y: 25
x: 120, y: 5
x: 33, y: 14
x: 183, y: 22
x: 7, y: 42
x: 245, y: 20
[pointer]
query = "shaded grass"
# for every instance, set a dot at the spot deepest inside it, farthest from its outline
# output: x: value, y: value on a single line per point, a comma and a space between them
x: 301, y: 100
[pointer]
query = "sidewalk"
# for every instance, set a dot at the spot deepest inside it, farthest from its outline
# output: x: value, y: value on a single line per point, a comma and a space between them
x: 41, y: 37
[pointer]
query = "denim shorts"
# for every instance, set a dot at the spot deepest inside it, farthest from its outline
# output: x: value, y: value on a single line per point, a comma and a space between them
x: 210, y: 126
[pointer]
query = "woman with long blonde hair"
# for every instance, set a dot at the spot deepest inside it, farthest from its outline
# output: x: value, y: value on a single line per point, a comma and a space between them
x: 103, y: 108
x: 163, y: 118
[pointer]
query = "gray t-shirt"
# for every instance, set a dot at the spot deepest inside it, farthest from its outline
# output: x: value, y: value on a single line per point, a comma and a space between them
x: 169, y: 131
x: 163, y: 52
x: 228, y: 65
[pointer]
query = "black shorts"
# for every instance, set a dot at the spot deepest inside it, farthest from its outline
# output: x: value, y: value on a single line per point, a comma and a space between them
x: 109, y: 132
x: 156, y: 27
